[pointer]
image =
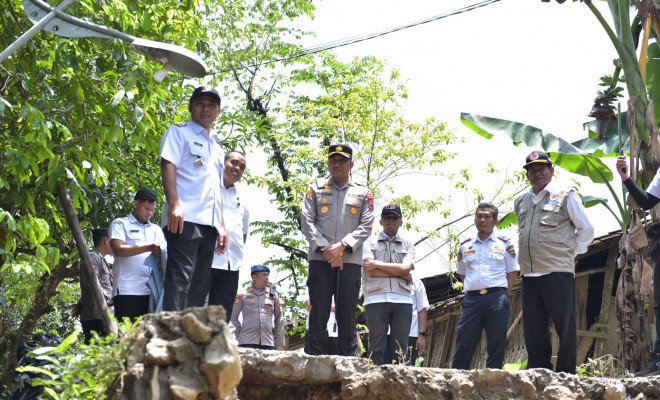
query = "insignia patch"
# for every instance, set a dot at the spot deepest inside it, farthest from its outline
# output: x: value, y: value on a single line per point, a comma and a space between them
x: 118, y: 222
x: 469, y: 252
x: 252, y: 301
x: 270, y: 309
x: 239, y: 296
x: 533, y: 156
x: 512, y: 251
x: 353, y: 210
x: 324, y: 210
x: 324, y: 200
x: 371, y: 201
x: 309, y: 194
x: 199, y: 163
x: 459, y: 256
x: 504, y: 238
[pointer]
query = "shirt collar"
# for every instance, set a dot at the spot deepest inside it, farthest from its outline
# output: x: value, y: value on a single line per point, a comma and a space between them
x: 133, y: 220
x: 492, y: 237
x: 200, y: 130
x: 548, y: 188
x: 385, y: 236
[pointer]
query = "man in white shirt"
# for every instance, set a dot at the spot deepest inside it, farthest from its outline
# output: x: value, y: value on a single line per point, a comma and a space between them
x: 133, y: 239
x: 191, y: 163
x: 553, y: 229
x: 226, y: 266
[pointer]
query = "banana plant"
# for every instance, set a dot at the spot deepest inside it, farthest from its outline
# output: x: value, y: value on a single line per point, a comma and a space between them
x: 569, y: 156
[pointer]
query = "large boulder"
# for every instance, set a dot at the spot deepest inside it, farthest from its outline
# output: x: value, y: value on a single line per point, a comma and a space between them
x: 184, y: 355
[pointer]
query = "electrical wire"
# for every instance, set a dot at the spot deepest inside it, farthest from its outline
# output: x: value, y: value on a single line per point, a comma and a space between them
x: 362, y: 38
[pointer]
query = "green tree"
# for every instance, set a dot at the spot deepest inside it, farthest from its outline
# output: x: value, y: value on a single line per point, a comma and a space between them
x: 84, y: 116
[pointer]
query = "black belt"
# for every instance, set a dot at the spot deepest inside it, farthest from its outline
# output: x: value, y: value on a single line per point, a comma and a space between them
x: 486, y: 290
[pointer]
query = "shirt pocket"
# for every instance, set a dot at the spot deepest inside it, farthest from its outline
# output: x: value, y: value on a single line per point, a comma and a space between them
x: 496, y: 255
x: 324, y: 204
x: 521, y: 217
x: 198, y: 149
x: 134, y: 236
x: 353, y: 207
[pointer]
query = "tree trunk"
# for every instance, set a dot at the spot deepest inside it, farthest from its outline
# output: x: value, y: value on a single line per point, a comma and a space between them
x: 41, y: 303
x: 85, y: 262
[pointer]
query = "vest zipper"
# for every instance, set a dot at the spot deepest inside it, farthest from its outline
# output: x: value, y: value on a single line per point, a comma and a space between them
x: 529, y: 238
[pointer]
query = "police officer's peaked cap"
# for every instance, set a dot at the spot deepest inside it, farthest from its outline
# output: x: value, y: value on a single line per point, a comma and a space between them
x: 259, y: 268
x: 391, y: 208
x: 537, y: 157
x: 209, y: 91
x: 342, y: 149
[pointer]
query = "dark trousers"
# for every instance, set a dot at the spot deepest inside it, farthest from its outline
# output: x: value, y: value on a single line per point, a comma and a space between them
x: 489, y: 312
x: 411, y: 355
x: 324, y: 282
x: 548, y: 297
x: 222, y: 292
x: 93, y: 325
x: 132, y: 307
x: 656, y: 306
x: 189, y: 258
x: 379, y: 317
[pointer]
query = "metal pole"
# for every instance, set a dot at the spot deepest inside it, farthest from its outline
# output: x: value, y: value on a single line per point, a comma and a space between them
x: 33, y: 31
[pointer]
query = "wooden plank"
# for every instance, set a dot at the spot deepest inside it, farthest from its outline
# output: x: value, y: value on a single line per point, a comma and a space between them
x: 585, y: 343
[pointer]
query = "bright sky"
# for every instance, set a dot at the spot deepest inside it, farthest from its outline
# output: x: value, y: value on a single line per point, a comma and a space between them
x: 522, y: 60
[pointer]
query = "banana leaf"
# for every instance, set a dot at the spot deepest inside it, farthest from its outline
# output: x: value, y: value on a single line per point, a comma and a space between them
x: 561, y: 152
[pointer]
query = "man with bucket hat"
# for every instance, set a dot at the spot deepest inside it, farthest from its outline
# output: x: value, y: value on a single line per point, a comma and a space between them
x: 552, y: 229
x: 337, y: 218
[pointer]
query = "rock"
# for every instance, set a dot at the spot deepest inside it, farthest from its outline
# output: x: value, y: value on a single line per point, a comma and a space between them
x: 187, y: 355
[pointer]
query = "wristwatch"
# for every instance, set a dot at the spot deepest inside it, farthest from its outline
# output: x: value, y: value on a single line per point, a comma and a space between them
x: 343, y: 243
x: 422, y: 333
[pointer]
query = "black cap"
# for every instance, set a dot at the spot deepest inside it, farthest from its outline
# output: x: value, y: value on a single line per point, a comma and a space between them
x: 391, y: 208
x: 209, y: 91
x: 537, y: 157
x: 342, y: 149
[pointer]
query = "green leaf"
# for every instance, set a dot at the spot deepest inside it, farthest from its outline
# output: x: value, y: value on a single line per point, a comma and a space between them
x: 117, y: 98
x: 68, y: 341
x: 562, y: 153
x: 590, y: 201
x: 508, y: 220
x: 30, y: 368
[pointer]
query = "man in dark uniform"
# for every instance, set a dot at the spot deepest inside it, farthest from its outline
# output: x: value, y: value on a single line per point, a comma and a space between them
x: 262, y: 326
x: 337, y: 218
x: 90, y: 315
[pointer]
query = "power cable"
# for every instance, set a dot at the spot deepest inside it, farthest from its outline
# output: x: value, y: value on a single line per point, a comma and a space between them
x: 362, y: 38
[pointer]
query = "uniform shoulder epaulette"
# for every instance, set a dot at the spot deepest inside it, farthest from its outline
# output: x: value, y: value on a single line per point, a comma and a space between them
x: 504, y: 239
x: 239, y: 296
x: 465, y: 241
x: 182, y: 123
x: 118, y: 222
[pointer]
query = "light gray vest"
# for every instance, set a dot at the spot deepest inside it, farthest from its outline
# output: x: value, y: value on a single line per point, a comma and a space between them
x: 546, y: 234
x: 391, y: 252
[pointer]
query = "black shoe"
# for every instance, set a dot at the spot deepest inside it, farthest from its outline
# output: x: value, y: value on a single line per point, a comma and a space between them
x: 652, y: 366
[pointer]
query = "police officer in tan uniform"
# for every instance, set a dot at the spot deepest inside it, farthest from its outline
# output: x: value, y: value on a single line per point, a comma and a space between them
x: 262, y: 326
x: 337, y: 218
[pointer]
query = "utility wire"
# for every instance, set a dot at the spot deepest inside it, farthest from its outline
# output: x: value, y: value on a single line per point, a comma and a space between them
x: 362, y: 38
